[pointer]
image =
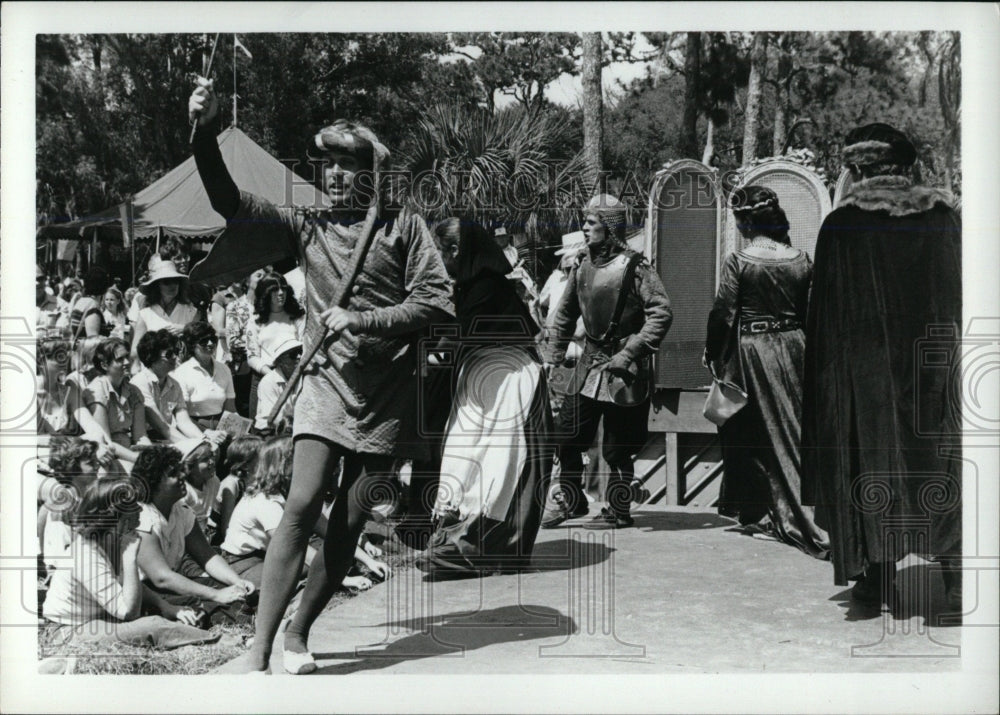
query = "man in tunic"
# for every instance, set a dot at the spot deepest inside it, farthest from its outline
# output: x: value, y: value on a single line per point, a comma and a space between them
x: 881, y: 424
x: 607, y: 273
x: 357, y: 398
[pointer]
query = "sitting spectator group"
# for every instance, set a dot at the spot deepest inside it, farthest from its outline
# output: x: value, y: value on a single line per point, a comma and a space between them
x: 161, y: 481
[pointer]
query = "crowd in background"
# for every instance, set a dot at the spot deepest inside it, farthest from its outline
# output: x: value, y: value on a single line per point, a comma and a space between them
x: 131, y: 389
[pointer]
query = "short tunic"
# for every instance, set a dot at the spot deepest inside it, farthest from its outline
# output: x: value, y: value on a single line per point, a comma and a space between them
x: 360, y: 391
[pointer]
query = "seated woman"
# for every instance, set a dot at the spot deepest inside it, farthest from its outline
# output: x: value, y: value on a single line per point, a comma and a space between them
x: 86, y: 317
x: 166, y: 409
x: 168, y: 531
x: 240, y: 461
x: 198, y: 460
x: 115, y: 403
x: 167, y: 305
x: 259, y: 512
x: 99, y: 597
x: 495, y: 461
x: 206, y: 383
x: 51, y: 391
x: 72, y: 467
x: 63, y: 375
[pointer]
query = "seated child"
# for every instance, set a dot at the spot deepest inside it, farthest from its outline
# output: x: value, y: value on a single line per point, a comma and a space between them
x: 100, y: 596
x: 198, y: 460
x: 259, y: 512
x: 241, y: 456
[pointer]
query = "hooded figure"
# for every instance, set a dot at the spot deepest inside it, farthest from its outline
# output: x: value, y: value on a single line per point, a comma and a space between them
x: 881, y: 428
x: 496, y: 457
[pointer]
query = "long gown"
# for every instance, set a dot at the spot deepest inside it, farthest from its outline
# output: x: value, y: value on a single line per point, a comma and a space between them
x: 496, y: 460
x: 760, y: 444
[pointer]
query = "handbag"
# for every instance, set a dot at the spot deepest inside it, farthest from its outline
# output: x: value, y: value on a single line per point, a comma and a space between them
x: 723, y: 402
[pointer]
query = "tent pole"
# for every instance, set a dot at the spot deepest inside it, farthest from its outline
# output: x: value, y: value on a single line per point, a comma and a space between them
x: 234, y: 79
x: 131, y: 233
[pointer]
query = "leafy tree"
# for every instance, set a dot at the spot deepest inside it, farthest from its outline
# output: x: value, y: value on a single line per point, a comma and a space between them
x: 519, y: 65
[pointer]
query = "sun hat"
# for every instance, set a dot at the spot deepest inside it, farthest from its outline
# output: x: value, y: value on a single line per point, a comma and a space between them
x: 162, y: 270
x: 285, y: 346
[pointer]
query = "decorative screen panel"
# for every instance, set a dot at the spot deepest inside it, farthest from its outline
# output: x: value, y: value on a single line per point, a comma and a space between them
x: 844, y: 184
x: 802, y: 195
x: 685, y: 212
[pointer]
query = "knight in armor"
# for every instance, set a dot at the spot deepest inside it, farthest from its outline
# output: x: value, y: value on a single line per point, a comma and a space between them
x: 626, y: 314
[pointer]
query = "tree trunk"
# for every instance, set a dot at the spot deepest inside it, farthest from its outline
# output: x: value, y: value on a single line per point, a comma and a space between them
x: 758, y: 63
x: 692, y: 67
x: 706, y: 157
x: 781, y: 103
x: 593, y: 106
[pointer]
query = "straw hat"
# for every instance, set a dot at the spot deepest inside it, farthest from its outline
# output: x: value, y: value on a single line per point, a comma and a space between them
x: 285, y: 346
x: 161, y: 270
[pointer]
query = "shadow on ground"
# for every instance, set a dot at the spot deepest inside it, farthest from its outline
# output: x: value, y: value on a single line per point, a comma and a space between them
x: 678, y: 521
x: 452, y: 635
x: 919, y: 594
x: 660, y: 521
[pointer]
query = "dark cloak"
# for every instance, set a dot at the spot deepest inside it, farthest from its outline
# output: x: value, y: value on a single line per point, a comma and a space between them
x: 881, y: 444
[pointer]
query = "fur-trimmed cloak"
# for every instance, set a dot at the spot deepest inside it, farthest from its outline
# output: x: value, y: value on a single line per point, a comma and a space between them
x: 880, y: 436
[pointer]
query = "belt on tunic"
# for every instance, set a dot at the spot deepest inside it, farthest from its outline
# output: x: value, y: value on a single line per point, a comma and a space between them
x: 769, y: 325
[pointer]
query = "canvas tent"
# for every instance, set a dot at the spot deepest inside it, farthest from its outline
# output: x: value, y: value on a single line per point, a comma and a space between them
x: 176, y: 203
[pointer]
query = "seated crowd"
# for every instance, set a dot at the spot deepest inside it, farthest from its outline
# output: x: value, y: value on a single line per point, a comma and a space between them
x: 155, y: 506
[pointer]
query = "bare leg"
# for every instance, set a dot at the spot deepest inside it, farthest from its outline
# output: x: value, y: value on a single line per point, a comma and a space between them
x: 351, y: 509
x: 314, y: 457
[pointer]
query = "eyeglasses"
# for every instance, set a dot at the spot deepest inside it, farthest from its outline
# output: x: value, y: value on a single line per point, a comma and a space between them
x: 292, y: 357
x: 208, y: 343
x: 168, y: 355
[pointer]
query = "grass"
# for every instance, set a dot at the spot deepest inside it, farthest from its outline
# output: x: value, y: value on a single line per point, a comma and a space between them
x: 122, y: 659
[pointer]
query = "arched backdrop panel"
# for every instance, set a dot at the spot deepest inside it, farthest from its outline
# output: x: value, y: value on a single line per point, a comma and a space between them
x: 685, y: 213
x: 844, y: 184
x: 802, y: 195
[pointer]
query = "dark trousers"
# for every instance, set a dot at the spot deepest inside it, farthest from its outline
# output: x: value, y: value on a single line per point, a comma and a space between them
x: 625, y: 432
x: 241, y: 385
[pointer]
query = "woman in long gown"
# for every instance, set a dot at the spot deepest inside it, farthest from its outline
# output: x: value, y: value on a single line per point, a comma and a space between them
x: 496, y: 460
x: 755, y: 343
